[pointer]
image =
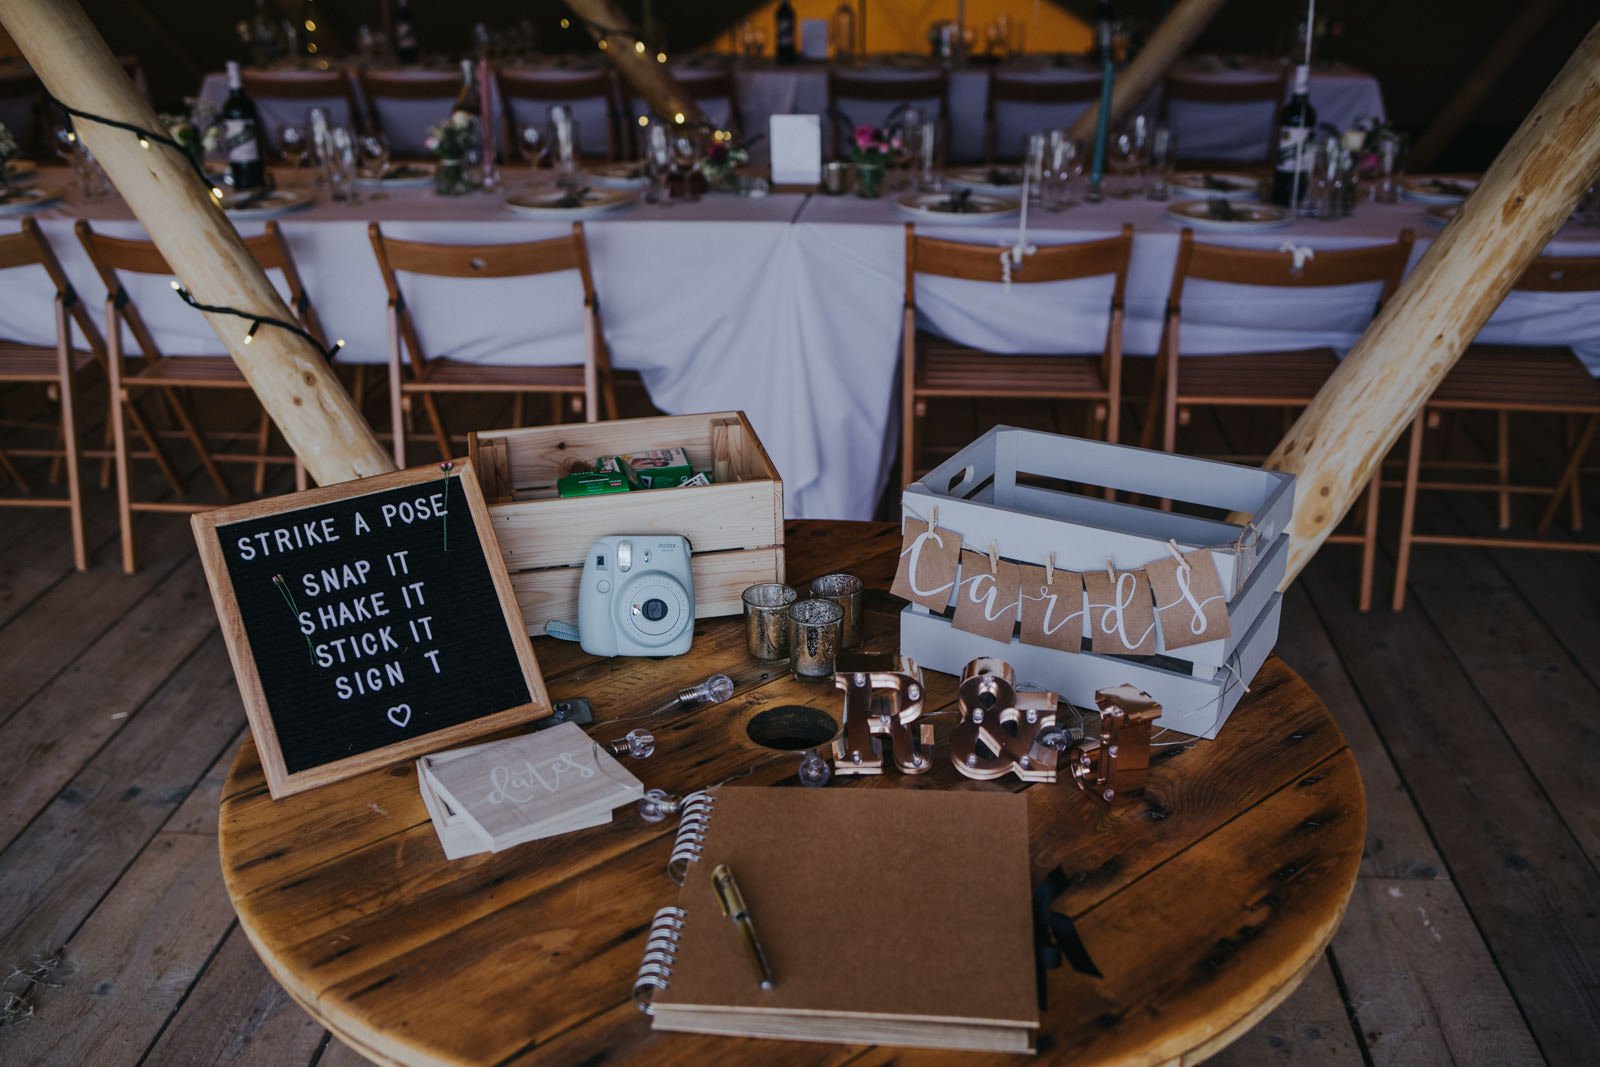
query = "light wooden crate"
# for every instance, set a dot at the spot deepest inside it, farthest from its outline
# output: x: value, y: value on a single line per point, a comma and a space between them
x: 1014, y: 488
x: 734, y: 526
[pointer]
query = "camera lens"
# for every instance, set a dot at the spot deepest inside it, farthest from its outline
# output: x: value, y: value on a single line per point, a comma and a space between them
x: 654, y: 609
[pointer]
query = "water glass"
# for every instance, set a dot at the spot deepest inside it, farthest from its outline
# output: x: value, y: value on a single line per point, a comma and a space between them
x: 1130, y: 150
x: 1391, y: 165
x: 1163, y: 162
x: 339, y: 164
x: 658, y: 157
x: 564, y: 137
x: 1063, y: 166
x: 532, y: 144
x: 926, y: 145
x: 292, y: 144
x: 1033, y: 157
x: 766, y: 620
x: 374, y: 155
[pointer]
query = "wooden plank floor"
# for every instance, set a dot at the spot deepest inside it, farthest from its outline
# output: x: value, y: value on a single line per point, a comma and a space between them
x: 1473, y: 935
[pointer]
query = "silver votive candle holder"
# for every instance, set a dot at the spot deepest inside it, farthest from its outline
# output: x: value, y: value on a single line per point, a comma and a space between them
x: 814, y: 638
x: 837, y: 177
x: 766, y: 620
x: 845, y: 591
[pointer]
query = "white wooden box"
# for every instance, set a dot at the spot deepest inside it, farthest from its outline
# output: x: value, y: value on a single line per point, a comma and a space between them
x: 1011, y: 487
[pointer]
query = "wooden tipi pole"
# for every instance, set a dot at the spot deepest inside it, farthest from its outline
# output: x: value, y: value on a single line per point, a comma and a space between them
x: 287, y: 372
x: 617, y: 36
x: 1377, y: 391
x: 1165, y: 47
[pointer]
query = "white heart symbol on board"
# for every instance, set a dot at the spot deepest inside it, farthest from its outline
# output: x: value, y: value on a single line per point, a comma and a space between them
x: 400, y: 715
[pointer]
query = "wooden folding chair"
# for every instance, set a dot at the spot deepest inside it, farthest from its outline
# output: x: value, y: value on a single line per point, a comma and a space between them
x: 332, y: 89
x: 426, y: 378
x: 886, y: 87
x: 934, y: 367
x: 1507, y: 380
x: 58, y: 369
x: 1265, y: 379
x: 172, y: 378
x: 1065, y: 97
x: 1264, y: 93
x: 538, y: 87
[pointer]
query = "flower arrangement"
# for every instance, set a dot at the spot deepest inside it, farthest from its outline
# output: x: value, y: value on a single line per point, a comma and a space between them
x: 454, y: 137
x: 722, y: 160
x: 874, y: 146
x: 198, y: 131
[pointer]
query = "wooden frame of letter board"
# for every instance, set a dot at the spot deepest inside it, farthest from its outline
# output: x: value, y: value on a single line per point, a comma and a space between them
x: 281, y: 783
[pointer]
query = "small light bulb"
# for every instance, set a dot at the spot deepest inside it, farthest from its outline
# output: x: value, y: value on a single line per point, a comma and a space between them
x: 250, y: 335
x: 814, y: 771
x: 311, y: 47
x: 638, y: 46
x: 566, y: 24
x: 678, y: 118
x: 602, y: 44
x: 311, y: 26
x: 72, y: 138
x: 661, y: 57
x: 216, y: 192
x: 144, y: 142
x: 644, y: 120
x: 176, y: 288
x: 657, y: 804
x: 639, y: 744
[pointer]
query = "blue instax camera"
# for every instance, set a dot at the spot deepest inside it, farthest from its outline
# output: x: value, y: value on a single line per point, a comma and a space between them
x: 637, y: 596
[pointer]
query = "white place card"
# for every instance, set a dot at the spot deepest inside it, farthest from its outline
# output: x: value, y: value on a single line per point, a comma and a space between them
x: 814, y: 38
x: 796, y: 146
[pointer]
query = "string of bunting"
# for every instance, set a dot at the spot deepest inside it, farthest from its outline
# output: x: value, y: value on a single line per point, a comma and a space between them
x: 1179, y: 596
x: 146, y: 139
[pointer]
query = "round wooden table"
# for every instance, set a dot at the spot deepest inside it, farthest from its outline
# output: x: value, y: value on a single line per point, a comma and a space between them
x: 1204, y: 901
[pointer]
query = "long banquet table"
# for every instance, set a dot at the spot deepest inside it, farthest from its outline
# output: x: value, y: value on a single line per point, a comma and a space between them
x: 788, y: 307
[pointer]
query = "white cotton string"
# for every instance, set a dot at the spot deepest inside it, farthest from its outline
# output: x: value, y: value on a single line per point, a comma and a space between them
x: 1231, y: 666
x: 1301, y: 254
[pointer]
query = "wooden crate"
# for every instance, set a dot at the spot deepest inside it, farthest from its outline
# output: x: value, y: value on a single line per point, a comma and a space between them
x: 1018, y: 489
x: 734, y: 526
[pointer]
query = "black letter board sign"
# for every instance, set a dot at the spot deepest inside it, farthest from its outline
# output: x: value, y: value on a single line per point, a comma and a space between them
x: 368, y: 622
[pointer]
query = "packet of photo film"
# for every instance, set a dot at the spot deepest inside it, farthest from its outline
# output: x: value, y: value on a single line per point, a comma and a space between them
x: 654, y: 468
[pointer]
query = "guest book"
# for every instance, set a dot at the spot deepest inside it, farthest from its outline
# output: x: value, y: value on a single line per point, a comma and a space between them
x: 893, y: 916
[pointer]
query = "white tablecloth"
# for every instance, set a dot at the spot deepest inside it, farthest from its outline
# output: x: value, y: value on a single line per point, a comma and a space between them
x: 786, y: 307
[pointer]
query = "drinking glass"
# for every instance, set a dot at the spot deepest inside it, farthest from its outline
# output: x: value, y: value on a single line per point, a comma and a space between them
x: 339, y: 163
x: 532, y: 144
x: 685, y: 154
x: 1063, y: 165
x: 927, y: 160
x: 1130, y: 150
x: 91, y: 179
x: 1033, y: 156
x: 374, y: 154
x: 292, y: 144
x: 658, y: 156
x: 1163, y: 162
x: 317, y: 122
x: 564, y: 136
x: 1391, y: 165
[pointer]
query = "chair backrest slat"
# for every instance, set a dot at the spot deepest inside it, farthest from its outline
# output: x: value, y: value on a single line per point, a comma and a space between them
x: 1049, y: 263
x: 1253, y: 266
x: 1561, y: 274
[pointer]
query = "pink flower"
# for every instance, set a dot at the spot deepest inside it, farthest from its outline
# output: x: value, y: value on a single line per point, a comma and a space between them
x: 865, y: 136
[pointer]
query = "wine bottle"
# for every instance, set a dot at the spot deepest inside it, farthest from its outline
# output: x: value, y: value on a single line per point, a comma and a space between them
x: 241, y: 135
x: 1291, y: 175
x: 784, y: 35
x: 406, y: 49
x: 467, y: 99
x: 844, y: 32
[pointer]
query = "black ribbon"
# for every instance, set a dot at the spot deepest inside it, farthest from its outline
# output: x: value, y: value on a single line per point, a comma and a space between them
x: 1055, y: 935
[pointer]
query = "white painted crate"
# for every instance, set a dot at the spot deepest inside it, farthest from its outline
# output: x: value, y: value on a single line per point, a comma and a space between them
x: 998, y: 489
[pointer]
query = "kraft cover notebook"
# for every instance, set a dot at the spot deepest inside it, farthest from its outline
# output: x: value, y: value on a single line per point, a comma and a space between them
x: 892, y: 916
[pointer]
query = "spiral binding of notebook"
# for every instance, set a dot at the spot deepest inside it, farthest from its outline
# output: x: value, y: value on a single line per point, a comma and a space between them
x: 660, y: 952
x: 686, y: 849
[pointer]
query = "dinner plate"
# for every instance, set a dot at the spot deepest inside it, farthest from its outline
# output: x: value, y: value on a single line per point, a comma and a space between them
x: 1435, y: 189
x: 21, y: 201
x: 1248, y: 218
x: 988, y: 179
x: 265, y: 205
x: 1206, y: 185
x: 559, y: 204
x: 617, y: 175
x: 948, y: 210
x: 401, y: 176
x: 1441, y: 214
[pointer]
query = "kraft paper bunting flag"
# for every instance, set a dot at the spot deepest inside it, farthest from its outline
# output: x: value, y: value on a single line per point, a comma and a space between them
x: 929, y: 559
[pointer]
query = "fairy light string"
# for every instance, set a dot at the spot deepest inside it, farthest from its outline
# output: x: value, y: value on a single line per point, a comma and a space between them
x: 146, y: 138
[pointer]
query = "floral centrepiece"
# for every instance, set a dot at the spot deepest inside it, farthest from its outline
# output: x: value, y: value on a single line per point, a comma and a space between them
x: 8, y: 151
x: 872, y: 150
x: 722, y: 160
x: 454, y: 142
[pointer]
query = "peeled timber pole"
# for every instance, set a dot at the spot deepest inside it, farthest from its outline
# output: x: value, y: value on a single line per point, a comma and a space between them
x: 1165, y: 47
x: 287, y: 372
x: 619, y: 39
x: 1533, y: 185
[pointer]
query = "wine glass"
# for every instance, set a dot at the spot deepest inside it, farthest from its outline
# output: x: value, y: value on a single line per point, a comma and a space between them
x: 532, y: 145
x: 340, y: 162
x: 685, y: 154
x: 1063, y: 166
x: 292, y: 144
x: 1129, y: 153
x: 1163, y: 162
x: 374, y: 149
x: 564, y: 135
x: 1034, y: 147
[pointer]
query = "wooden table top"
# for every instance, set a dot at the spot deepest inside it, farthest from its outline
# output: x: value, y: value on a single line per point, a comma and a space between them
x: 1204, y: 901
